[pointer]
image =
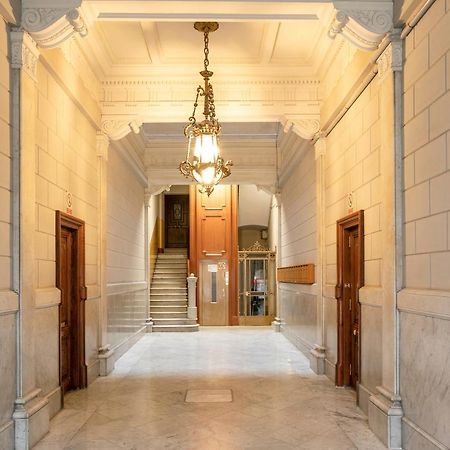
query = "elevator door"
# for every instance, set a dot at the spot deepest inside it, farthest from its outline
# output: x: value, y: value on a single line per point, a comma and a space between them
x: 214, y: 282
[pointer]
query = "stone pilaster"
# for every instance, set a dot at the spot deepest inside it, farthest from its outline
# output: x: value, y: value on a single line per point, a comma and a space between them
x: 276, y: 324
x: 105, y: 353
x: 192, y: 297
x: 385, y: 410
x: 31, y: 411
x: 317, y: 354
x: 147, y: 197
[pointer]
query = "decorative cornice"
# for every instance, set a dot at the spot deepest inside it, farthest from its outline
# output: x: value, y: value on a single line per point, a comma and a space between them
x: 117, y: 129
x: 53, y: 24
x: 304, y: 126
x: 102, y: 146
x: 24, y: 53
x: 391, y: 60
x: 363, y: 24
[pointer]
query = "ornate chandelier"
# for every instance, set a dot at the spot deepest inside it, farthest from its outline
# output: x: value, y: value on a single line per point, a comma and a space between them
x: 203, y: 162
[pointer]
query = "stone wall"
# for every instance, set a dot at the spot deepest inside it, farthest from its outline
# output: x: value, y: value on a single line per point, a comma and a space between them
x: 425, y: 301
x: 126, y: 278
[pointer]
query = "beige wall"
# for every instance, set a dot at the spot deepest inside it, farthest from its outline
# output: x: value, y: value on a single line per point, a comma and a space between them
x: 126, y: 278
x: 66, y: 161
x: 298, y: 303
x: 8, y: 300
x: 425, y: 301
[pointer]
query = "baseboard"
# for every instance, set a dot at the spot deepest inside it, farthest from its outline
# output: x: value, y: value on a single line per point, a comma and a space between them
x: 125, y: 345
x: 304, y: 346
x: 363, y: 398
x: 330, y: 370
x: 54, y: 401
x: 7, y: 435
x: 93, y: 371
x: 416, y: 438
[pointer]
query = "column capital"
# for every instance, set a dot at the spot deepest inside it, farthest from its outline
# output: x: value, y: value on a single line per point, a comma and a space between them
x: 52, y: 22
x: 391, y: 60
x: 363, y: 24
x: 102, y: 145
x: 24, y: 53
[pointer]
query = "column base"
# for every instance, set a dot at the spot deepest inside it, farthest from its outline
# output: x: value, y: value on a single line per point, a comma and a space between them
x: 317, y: 359
x: 192, y: 312
x: 106, y: 360
x: 385, y: 418
x: 276, y: 325
x: 31, y: 420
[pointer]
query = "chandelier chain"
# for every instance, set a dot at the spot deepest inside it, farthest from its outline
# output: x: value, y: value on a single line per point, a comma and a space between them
x: 206, y: 49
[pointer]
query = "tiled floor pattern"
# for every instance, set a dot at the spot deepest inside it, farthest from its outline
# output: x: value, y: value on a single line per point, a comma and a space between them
x: 278, y: 403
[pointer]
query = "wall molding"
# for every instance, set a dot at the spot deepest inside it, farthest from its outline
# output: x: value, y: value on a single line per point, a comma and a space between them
x: 310, y: 289
x: 122, y: 288
x: 371, y: 296
x: 424, y: 434
x: 47, y: 297
x: 425, y: 302
x: 9, y: 302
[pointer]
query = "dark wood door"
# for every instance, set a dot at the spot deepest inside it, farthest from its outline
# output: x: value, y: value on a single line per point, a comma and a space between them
x: 350, y: 278
x: 67, y: 311
x: 177, y: 221
x: 70, y: 259
x: 351, y: 309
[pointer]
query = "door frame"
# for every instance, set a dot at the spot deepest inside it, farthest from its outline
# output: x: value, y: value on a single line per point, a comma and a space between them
x: 355, y: 219
x: 64, y: 220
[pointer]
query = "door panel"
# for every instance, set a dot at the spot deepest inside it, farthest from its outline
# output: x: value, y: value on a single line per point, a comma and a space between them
x: 214, y: 281
x: 214, y: 232
x: 177, y: 221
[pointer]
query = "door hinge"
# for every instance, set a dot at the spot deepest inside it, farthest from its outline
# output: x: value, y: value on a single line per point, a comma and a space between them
x: 350, y: 369
x: 349, y: 241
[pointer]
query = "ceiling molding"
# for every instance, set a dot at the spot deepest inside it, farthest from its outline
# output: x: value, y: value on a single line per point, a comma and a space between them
x: 364, y: 24
x: 51, y: 22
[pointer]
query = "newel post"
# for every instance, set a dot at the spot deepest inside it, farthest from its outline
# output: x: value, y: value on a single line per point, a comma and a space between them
x: 192, y: 296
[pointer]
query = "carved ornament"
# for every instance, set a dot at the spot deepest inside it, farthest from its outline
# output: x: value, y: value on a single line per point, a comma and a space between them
x: 304, y: 126
x: 102, y: 146
x: 391, y: 60
x: 24, y: 53
x: 117, y: 129
x: 364, y: 25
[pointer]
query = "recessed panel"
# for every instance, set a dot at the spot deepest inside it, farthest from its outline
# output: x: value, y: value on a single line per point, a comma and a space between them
x: 231, y: 43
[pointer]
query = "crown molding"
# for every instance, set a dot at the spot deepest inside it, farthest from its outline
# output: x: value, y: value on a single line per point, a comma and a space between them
x: 364, y: 24
x: 51, y: 22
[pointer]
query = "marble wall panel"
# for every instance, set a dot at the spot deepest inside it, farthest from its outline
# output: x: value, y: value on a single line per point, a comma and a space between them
x: 7, y: 370
x: 47, y: 348
x: 425, y: 378
x: 91, y: 330
x: 126, y: 315
x: 330, y: 314
x: 298, y: 311
x: 371, y: 352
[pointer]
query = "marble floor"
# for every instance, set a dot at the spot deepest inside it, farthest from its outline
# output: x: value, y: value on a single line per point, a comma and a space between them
x: 277, y: 402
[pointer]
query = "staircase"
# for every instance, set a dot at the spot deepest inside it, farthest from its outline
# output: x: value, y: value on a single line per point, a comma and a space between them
x: 168, y: 293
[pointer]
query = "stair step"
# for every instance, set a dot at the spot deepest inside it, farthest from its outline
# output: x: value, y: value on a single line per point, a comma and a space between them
x: 168, y: 309
x: 173, y: 321
x: 181, y: 328
x: 169, y: 314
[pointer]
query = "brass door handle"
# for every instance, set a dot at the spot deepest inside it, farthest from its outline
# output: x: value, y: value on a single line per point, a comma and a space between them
x: 355, y: 332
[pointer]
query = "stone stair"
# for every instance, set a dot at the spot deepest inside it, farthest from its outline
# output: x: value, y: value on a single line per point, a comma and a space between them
x: 168, y: 293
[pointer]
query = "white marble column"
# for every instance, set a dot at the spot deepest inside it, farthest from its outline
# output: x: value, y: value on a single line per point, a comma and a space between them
x: 317, y: 354
x: 105, y: 353
x: 276, y: 324
x: 31, y: 412
x: 385, y: 410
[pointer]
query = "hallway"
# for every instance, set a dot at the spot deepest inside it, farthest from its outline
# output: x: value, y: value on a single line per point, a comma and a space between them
x: 278, y: 402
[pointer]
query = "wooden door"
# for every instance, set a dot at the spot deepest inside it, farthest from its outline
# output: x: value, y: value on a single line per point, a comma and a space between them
x: 70, y: 281
x: 350, y: 270
x: 177, y: 221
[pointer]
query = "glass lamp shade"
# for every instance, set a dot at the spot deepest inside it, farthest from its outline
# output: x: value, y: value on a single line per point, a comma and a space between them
x: 206, y: 155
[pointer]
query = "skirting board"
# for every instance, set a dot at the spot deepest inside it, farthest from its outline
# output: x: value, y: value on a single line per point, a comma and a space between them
x: 415, y: 437
x: 93, y: 371
x: 363, y: 396
x: 7, y: 435
x: 304, y: 346
x: 54, y: 401
x: 330, y: 370
x: 125, y: 345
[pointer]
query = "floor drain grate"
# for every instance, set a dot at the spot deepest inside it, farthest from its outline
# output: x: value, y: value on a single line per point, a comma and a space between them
x: 209, y: 396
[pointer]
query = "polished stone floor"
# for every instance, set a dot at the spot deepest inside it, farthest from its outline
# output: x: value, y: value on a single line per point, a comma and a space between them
x: 277, y: 402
